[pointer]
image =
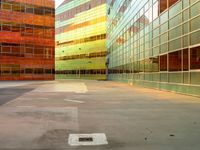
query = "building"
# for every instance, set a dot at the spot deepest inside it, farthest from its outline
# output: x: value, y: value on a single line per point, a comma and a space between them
x: 155, y: 43
x: 81, y: 39
x: 27, y: 39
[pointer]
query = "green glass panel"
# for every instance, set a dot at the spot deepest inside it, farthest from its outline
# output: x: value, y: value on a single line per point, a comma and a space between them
x: 195, y: 78
x: 175, y: 21
x: 193, y: 1
x: 186, y: 78
x: 185, y: 28
x: 185, y: 41
x: 155, y: 51
x: 156, y: 41
x: 175, y: 77
x: 175, y: 44
x: 195, y: 23
x: 176, y: 32
x: 164, y: 17
x: 156, y: 23
x: 156, y: 77
x: 175, y: 9
x: 194, y: 37
x: 156, y: 33
x: 164, y: 27
x: 164, y: 38
x: 195, y: 9
x: 185, y: 3
x: 163, y: 77
x: 163, y: 48
x: 185, y: 15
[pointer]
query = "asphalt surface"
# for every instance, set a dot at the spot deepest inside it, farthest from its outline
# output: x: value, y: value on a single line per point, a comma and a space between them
x: 41, y: 115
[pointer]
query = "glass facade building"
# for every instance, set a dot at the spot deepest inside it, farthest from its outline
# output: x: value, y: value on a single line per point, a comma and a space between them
x: 27, y: 39
x: 81, y: 39
x: 155, y: 43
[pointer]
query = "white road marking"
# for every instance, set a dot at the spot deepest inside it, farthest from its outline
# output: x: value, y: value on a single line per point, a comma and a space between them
x: 75, y: 101
x: 98, y: 139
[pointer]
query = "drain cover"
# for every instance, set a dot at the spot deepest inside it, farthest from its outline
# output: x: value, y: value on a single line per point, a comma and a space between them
x: 87, y: 139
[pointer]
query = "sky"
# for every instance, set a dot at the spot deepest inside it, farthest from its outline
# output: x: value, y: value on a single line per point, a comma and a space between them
x: 58, y: 2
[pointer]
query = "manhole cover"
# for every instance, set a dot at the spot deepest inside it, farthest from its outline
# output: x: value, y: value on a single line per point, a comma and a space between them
x: 87, y: 139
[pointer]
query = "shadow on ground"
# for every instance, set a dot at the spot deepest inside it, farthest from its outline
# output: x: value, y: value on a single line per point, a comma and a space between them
x: 9, y: 94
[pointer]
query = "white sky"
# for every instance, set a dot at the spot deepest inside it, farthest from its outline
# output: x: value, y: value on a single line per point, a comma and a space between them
x: 58, y: 2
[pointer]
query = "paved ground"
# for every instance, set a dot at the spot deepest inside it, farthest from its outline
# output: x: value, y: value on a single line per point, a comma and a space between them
x: 41, y: 115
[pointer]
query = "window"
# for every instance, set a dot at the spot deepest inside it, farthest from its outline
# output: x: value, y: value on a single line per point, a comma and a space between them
x: 29, y: 9
x: 5, y: 70
x: 194, y: 37
x: 15, y: 69
x: 28, y: 71
x: 48, y: 12
x: 38, y: 71
x: 6, y: 27
x: 48, y: 32
x: 164, y: 18
x: 47, y: 53
x: 195, y: 9
x: 175, y: 61
x: 48, y: 71
x: 39, y: 31
x: 175, y: 44
x: 163, y: 5
x: 108, y: 11
x: 29, y: 30
x: 175, y: 21
x: 16, y: 49
x: 6, y: 6
x: 6, y: 49
x: 10, y: 69
x: 16, y: 7
x: 155, y: 10
x: 29, y: 50
x: 176, y: 8
x: 23, y: 8
x: 39, y: 11
x: 164, y: 48
x: 88, y: 6
x: 16, y: 28
x: 151, y: 64
x: 163, y: 63
x: 164, y: 38
x: 176, y: 32
x: 195, y: 58
x: 195, y: 25
x: 185, y: 60
x: 39, y: 50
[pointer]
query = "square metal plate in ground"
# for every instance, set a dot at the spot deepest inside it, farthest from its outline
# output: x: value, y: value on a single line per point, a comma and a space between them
x: 87, y: 139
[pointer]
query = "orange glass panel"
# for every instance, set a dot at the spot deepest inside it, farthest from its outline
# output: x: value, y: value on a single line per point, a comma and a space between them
x: 27, y: 40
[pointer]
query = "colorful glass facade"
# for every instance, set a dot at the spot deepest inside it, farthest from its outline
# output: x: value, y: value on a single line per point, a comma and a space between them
x: 27, y: 39
x: 155, y: 43
x: 81, y: 39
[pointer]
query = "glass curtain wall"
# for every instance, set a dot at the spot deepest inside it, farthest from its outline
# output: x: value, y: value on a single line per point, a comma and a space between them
x: 81, y: 39
x: 27, y: 39
x: 155, y: 43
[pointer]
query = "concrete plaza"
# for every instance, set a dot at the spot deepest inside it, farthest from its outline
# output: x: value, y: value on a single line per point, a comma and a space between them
x: 40, y: 116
